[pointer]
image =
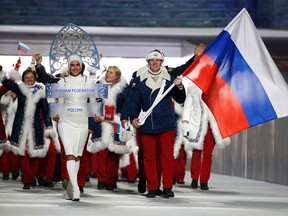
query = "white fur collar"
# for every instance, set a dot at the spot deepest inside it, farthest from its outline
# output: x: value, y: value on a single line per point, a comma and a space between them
x: 114, y: 90
x: 142, y: 70
x: 40, y: 91
x: 164, y: 74
x: 144, y: 74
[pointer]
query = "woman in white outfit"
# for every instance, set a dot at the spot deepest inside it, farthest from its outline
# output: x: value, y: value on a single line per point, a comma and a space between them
x: 73, y: 132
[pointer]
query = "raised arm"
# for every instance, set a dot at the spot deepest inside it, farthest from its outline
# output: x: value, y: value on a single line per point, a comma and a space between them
x: 43, y: 77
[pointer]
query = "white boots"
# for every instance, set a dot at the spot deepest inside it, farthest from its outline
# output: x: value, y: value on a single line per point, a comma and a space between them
x: 72, y: 190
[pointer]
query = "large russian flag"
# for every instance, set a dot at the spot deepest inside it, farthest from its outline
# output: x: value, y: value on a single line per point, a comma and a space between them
x: 242, y: 85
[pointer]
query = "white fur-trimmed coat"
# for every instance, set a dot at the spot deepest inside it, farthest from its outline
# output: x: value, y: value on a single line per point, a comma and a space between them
x: 28, y: 133
x: 9, y: 109
x: 3, y: 135
x: 198, y: 116
x: 107, y: 137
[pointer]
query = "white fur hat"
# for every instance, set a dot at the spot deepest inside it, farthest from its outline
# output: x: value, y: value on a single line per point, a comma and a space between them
x: 74, y: 57
x: 157, y: 54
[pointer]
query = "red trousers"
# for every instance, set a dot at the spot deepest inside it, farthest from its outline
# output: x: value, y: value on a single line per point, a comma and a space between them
x: 131, y: 170
x: 180, y: 165
x: 162, y: 144
x: 47, y: 164
x: 30, y: 167
x: 51, y: 162
x: 141, y: 170
x: 93, y: 163
x: 102, y: 165
x: 9, y: 162
x: 112, y: 168
x: 83, y: 169
x: 201, y: 167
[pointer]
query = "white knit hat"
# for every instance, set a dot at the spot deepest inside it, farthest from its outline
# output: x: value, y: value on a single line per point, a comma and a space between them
x: 74, y: 57
x: 157, y: 54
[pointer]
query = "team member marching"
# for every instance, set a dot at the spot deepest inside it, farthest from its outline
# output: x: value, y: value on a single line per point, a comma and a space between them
x: 29, y: 138
x: 106, y: 138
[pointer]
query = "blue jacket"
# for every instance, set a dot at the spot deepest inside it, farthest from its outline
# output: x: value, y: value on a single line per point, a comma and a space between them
x: 43, y: 77
x: 127, y: 113
x: 162, y: 118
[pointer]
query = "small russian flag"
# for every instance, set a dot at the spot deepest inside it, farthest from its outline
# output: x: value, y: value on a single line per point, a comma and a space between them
x: 23, y: 48
x: 117, y: 128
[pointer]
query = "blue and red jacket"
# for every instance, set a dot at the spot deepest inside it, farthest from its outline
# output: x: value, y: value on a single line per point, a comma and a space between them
x: 163, y: 116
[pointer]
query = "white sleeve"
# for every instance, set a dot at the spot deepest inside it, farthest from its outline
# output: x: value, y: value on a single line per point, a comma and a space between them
x: 187, y: 109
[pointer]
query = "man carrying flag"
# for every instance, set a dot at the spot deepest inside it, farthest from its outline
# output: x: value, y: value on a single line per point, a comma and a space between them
x: 157, y: 133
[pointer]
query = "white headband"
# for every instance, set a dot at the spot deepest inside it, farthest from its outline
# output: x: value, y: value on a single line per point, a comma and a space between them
x: 155, y: 55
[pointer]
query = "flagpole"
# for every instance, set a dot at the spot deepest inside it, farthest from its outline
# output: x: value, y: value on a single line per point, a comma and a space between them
x: 144, y: 116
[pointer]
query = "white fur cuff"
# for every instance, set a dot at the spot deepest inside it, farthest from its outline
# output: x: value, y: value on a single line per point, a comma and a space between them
x: 15, y: 75
x: 95, y: 146
x: 4, y: 145
x: 49, y: 133
x: 118, y: 148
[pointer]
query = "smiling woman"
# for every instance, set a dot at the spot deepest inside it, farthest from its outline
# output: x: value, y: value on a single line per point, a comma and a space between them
x: 29, y: 77
x: 29, y: 137
x: 75, y: 65
x: 73, y: 134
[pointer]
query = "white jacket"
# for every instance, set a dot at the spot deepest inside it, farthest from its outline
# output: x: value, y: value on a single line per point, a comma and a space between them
x: 195, y: 118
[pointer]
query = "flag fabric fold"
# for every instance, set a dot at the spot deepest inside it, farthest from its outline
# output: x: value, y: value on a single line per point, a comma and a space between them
x: 24, y: 48
x: 241, y: 84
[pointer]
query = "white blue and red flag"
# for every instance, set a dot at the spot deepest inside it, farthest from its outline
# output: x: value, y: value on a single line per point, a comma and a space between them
x: 242, y: 85
x: 24, y: 48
